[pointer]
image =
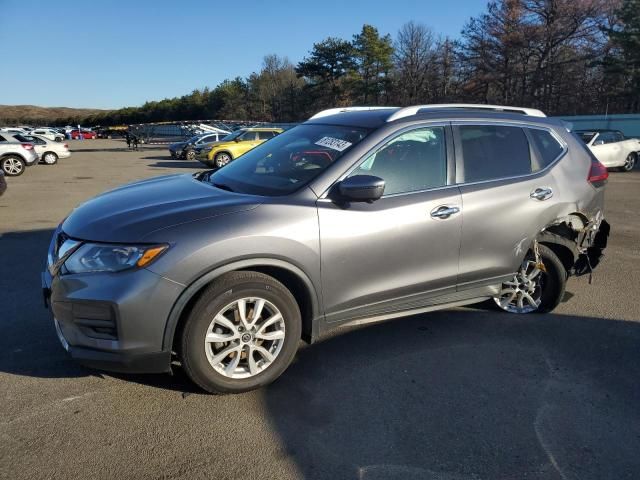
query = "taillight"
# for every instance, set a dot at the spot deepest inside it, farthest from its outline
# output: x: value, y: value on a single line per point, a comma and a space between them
x: 598, y: 173
x: 66, y: 145
x: 27, y: 146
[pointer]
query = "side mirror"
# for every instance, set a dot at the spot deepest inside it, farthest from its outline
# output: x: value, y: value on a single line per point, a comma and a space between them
x: 361, y: 188
x: 598, y: 142
x: 237, y: 139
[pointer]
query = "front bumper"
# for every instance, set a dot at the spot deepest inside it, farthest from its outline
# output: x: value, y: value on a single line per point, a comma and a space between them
x: 112, y: 321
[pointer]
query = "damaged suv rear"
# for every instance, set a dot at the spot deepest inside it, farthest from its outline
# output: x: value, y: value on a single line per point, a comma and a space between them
x: 356, y: 215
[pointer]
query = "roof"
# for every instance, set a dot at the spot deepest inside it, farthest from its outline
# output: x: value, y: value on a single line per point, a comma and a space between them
x: 262, y: 129
x: 380, y: 116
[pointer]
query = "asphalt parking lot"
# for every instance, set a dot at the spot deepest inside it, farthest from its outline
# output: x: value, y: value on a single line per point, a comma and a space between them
x: 460, y: 394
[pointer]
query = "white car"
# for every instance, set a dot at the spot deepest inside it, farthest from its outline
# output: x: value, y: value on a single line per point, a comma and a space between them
x: 49, y: 152
x: 48, y: 133
x: 611, y: 148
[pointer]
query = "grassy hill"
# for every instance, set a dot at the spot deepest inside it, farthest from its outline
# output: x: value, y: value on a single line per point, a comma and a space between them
x: 31, y: 114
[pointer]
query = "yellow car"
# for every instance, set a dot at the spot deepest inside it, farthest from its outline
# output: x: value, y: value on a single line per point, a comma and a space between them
x: 237, y: 143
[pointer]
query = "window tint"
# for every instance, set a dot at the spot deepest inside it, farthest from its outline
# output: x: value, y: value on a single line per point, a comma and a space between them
x: 548, y: 147
x: 265, y: 135
x: 3, y: 139
x: 492, y: 151
x: 411, y: 162
x: 249, y: 136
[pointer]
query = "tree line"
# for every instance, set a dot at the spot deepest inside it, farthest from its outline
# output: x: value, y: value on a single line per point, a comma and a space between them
x: 565, y: 57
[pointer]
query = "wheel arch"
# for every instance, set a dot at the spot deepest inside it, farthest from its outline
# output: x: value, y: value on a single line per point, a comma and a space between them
x: 300, y: 285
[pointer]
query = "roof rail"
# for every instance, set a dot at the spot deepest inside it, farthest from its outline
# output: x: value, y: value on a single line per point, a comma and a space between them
x: 333, y: 111
x: 408, y: 111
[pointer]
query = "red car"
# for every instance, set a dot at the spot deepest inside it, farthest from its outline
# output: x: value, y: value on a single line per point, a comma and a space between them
x: 86, y: 134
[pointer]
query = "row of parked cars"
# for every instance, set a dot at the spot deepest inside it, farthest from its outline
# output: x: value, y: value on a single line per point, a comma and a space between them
x: 217, y: 149
x: 610, y: 147
x: 21, y: 148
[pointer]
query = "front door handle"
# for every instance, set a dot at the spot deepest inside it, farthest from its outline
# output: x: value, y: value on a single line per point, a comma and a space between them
x: 541, y: 193
x: 444, y: 211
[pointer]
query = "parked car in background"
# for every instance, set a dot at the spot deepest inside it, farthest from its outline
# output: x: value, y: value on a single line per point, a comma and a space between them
x: 180, y: 150
x: 193, y: 149
x: 3, y: 183
x: 47, y: 133
x: 353, y: 216
x: 15, y: 156
x: 611, y: 148
x: 85, y: 134
x: 13, y: 130
x: 238, y: 143
x: 48, y: 151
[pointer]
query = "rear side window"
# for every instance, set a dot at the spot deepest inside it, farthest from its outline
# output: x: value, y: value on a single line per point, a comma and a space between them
x: 491, y: 152
x: 3, y: 139
x: 547, y: 145
x: 265, y: 135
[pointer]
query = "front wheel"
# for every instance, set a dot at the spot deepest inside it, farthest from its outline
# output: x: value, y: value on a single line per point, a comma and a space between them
x: 241, y: 334
x: 534, y: 289
x: 629, y: 162
x: 222, y: 159
x: 50, y: 158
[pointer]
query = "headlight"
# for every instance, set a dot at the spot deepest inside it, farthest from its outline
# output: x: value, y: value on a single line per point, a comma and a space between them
x: 94, y: 257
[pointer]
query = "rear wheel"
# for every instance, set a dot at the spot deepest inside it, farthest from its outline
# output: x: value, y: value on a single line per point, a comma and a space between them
x: 190, y: 155
x: 629, y: 162
x: 241, y: 334
x: 533, y: 289
x: 50, y: 158
x: 222, y: 158
x: 12, y: 165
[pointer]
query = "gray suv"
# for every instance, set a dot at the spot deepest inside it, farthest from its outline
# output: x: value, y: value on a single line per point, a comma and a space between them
x: 358, y: 214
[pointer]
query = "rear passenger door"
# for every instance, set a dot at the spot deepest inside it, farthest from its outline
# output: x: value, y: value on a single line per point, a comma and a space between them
x: 507, y: 196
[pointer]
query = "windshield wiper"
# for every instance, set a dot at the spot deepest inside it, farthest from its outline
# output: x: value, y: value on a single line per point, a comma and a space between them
x: 222, y: 186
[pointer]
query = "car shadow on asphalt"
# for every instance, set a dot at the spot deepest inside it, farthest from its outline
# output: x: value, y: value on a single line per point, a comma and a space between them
x: 457, y: 394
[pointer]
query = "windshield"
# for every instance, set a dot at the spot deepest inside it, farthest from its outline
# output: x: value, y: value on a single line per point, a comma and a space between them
x: 233, y: 135
x: 288, y: 161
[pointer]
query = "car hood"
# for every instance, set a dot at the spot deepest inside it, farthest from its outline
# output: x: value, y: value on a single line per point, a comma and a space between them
x: 131, y: 212
x: 177, y: 145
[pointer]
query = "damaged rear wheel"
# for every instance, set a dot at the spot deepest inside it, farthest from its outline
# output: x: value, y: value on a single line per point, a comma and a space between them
x: 534, y: 288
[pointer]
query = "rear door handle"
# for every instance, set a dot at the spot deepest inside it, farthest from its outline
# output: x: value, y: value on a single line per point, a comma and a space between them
x: 541, y: 193
x: 444, y: 211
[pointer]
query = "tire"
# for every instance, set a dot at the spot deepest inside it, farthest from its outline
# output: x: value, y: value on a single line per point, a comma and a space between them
x: 58, y: 139
x: 204, y: 361
x: 549, y: 291
x: 222, y: 158
x: 50, y: 158
x: 12, y: 165
x: 190, y: 155
x: 629, y: 162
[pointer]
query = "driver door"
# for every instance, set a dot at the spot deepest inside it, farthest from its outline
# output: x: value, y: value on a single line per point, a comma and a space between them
x: 394, y: 254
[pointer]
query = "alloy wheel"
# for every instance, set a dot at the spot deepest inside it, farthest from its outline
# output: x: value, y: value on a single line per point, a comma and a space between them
x: 12, y: 166
x: 522, y: 294
x: 222, y: 159
x: 50, y: 158
x: 629, y: 162
x: 244, y: 338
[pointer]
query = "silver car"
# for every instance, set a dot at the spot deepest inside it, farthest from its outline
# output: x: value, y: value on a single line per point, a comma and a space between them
x: 357, y: 215
x: 15, y: 155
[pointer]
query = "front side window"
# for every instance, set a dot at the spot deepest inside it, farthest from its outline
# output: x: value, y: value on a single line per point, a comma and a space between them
x: 288, y: 161
x: 411, y: 162
x: 248, y: 136
x: 491, y: 152
x: 547, y: 145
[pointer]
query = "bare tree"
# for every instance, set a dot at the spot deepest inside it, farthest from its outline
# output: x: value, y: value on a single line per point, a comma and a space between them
x: 413, y: 56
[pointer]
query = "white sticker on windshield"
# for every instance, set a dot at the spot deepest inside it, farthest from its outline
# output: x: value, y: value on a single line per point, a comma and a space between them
x: 334, y: 143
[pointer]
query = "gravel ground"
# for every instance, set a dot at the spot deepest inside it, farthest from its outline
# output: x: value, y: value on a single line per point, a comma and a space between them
x: 459, y: 394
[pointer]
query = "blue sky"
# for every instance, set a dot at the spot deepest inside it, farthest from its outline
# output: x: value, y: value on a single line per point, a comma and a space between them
x: 111, y: 54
